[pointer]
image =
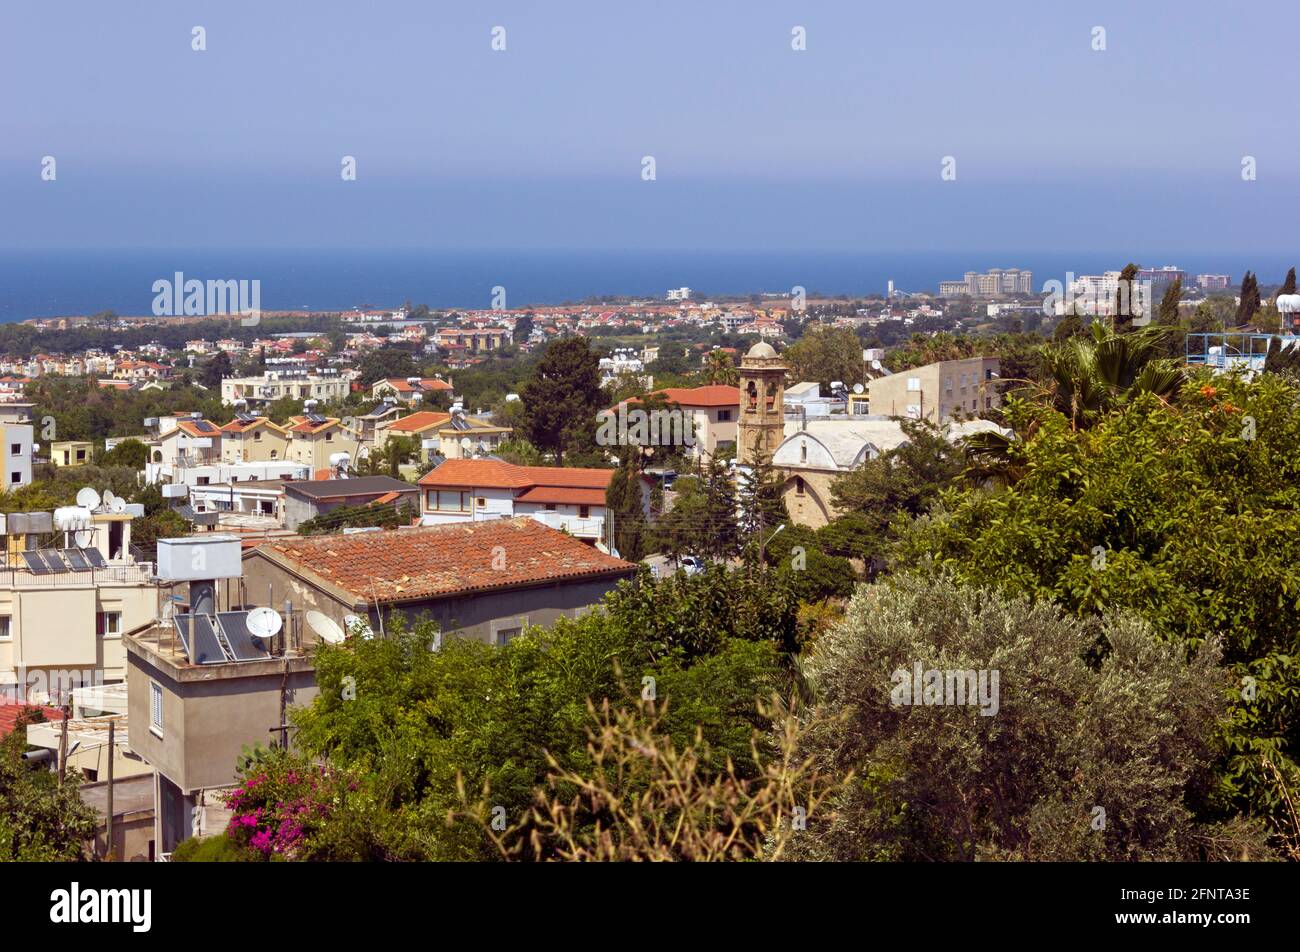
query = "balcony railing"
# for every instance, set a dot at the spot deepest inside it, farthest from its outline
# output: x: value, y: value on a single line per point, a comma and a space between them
x: 580, y: 528
x: 134, y: 573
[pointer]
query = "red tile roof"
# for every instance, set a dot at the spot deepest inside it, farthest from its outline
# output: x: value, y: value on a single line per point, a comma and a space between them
x: 493, y: 474
x: 10, y: 712
x: 433, y: 562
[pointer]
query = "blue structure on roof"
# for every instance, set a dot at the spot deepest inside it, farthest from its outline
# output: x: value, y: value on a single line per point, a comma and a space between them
x: 1233, y: 350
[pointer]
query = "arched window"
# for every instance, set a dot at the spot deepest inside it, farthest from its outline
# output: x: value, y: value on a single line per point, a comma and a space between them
x: 798, y: 485
x: 803, y: 452
x: 752, y: 392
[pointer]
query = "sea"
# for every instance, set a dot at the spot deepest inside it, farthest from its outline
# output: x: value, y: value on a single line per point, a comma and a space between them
x: 37, y: 284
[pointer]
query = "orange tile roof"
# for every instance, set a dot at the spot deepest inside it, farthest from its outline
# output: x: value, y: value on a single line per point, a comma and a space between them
x: 401, y: 385
x: 420, y: 421
x: 238, y: 426
x: 302, y: 425
x: 563, y: 495
x: 436, y: 561
x: 494, y: 474
x: 714, y: 395
x: 10, y: 712
x: 193, y: 429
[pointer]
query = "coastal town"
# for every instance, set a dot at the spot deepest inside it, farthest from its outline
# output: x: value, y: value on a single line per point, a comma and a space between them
x: 478, y: 475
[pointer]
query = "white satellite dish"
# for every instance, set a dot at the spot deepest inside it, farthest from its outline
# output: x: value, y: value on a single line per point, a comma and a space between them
x: 118, y: 505
x: 857, y: 388
x: 84, y: 537
x: 87, y: 498
x: 326, y: 628
x: 466, y: 442
x: 264, y: 623
x: 108, y: 498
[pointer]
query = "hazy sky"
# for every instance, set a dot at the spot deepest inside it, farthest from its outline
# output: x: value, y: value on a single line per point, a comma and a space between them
x: 757, y: 146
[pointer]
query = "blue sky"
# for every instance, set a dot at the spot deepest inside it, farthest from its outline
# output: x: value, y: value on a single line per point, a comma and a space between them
x: 757, y: 146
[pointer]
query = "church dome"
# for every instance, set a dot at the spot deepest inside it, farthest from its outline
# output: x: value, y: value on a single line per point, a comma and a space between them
x: 761, y: 350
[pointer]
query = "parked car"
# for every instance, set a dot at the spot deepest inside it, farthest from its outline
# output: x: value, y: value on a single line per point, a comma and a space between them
x: 691, y: 564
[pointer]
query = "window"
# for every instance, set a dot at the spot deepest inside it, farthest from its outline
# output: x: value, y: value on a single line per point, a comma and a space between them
x: 6, y: 633
x: 913, y: 384
x: 724, y: 416
x: 81, y: 456
x: 15, y: 477
x: 803, y: 452
x: 204, y: 480
x: 584, y: 512
x: 257, y: 436
x: 155, y: 708
x: 108, y: 624
x: 548, y: 507
x: 481, y: 502
x: 507, y: 629
x: 444, y: 500
x: 15, y: 449
x: 798, y: 485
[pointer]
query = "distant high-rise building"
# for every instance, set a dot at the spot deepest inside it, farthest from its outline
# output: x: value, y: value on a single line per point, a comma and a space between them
x: 1166, y: 275
x: 679, y: 294
x: 993, y: 283
x: 1213, y: 282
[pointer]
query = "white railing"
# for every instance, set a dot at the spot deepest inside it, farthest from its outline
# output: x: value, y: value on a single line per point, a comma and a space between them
x: 581, y: 528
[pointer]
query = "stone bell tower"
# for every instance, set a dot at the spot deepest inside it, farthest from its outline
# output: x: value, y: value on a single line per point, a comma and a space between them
x: 762, y: 405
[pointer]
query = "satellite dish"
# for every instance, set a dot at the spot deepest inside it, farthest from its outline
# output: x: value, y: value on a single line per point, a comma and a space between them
x: 264, y: 623
x: 326, y: 628
x: 84, y: 537
x: 108, y: 499
x: 857, y: 388
x: 118, y: 505
x: 465, y: 442
x: 875, y: 364
x: 87, y: 498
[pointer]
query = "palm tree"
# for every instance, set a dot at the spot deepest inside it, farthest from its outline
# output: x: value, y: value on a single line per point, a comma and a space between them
x: 718, y: 368
x: 1089, y: 375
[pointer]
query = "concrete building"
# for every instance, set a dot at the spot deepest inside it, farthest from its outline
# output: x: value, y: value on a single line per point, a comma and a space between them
x: 278, y: 384
x: 312, y: 498
x: 16, y: 439
x: 487, y: 580
x: 993, y: 283
x: 321, y: 441
x: 71, y: 452
x: 250, y: 438
x: 63, y: 611
x: 478, y: 490
x: 937, y: 391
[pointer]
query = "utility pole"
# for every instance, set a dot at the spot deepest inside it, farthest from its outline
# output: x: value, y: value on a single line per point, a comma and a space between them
x: 108, y: 839
x: 63, y: 744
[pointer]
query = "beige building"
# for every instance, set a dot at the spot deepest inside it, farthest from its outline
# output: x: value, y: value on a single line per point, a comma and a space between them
x: 277, y: 384
x: 63, y: 612
x: 314, y: 440
x: 938, y: 391
x: 70, y: 452
x: 253, y: 440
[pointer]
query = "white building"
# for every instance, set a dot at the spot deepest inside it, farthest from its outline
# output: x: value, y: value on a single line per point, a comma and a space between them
x: 475, y: 490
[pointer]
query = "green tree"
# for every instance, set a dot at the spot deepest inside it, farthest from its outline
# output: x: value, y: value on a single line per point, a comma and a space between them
x: 41, y: 820
x: 562, y: 398
x: 1249, y: 301
x: 130, y: 453
x: 1185, y: 513
x: 824, y: 354
x: 1045, y: 739
x: 1288, y: 285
